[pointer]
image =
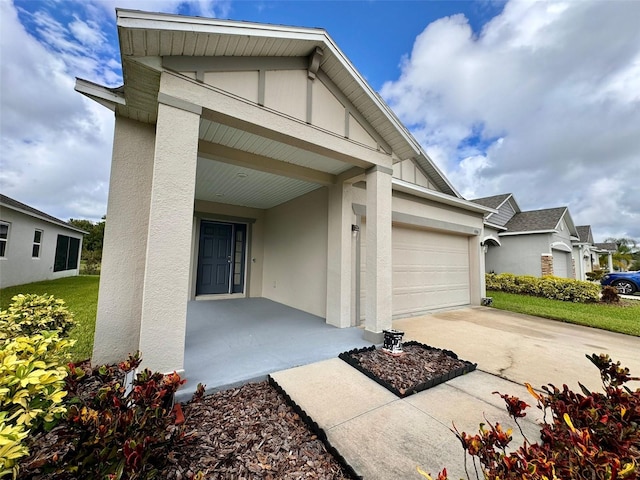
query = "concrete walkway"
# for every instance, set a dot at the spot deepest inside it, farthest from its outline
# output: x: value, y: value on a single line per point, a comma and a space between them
x: 384, y: 437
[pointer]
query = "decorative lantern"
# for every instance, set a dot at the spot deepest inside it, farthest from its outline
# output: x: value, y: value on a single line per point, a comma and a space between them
x: 392, y: 341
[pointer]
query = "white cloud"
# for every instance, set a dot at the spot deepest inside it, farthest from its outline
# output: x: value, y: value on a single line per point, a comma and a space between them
x: 544, y: 103
x: 56, y: 144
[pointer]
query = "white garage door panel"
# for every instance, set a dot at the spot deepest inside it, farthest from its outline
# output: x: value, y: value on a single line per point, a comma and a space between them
x: 561, y: 261
x: 430, y: 271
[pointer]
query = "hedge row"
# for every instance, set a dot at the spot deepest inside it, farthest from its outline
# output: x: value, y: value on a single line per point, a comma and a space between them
x: 555, y: 288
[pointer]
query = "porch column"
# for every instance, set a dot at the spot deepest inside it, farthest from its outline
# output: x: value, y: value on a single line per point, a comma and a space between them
x: 477, y: 284
x: 378, y: 309
x: 339, y: 262
x: 610, y: 261
x: 167, y: 268
x: 117, y: 330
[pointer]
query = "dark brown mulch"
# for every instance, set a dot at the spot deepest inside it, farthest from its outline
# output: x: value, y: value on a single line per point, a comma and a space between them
x: 249, y: 432
x: 415, y: 366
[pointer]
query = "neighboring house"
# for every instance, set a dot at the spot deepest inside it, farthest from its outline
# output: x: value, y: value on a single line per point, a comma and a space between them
x: 35, y: 246
x: 607, y: 249
x: 253, y: 160
x: 585, y: 252
x: 536, y: 242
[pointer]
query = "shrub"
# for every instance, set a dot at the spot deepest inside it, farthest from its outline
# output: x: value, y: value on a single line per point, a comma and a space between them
x: 118, y: 430
x: 610, y: 295
x: 30, y: 314
x: 595, y: 275
x: 594, y: 436
x: 32, y: 378
x: 555, y: 288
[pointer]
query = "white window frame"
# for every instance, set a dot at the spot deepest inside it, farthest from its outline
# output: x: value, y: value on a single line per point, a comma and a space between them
x: 39, y: 243
x: 5, y: 240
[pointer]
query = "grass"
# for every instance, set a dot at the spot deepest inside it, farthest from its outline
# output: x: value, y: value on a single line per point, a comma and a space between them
x: 81, y: 297
x: 623, y: 318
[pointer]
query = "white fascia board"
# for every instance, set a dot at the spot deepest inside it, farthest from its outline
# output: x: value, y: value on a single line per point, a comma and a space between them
x: 136, y: 19
x: 44, y: 219
x: 504, y: 234
x: 493, y: 225
x: 99, y: 92
x: 418, y: 191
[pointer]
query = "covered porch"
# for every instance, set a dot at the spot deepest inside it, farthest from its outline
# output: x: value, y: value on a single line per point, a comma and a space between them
x: 230, y: 342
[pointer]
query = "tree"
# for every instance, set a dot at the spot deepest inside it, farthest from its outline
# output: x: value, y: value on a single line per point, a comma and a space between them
x: 92, y: 243
x: 623, y: 257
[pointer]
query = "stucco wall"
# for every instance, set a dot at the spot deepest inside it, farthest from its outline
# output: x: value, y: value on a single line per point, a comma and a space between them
x: 125, y: 242
x: 295, y: 253
x: 233, y: 213
x: 519, y: 254
x: 18, y: 266
x: 419, y: 207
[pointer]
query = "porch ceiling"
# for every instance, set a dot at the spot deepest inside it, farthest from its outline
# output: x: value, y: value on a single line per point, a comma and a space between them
x: 248, y: 142
x: 280, y: 172
x: 236, y: 185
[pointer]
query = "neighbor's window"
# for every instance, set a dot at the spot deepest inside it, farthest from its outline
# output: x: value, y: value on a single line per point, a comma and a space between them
x: 37, y: 241
x: 66, y: 253
x: 4, y: 238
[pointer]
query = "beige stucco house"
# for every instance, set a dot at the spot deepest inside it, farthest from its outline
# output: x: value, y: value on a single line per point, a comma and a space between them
x: 35, y: 246
x: 253, y: 160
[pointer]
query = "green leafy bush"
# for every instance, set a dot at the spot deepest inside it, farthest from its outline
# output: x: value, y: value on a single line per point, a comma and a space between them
x: 555, y: 288
x: 30, y: 314
x: 595, y: 275
x: 589, y: 436
x: 32, y: 375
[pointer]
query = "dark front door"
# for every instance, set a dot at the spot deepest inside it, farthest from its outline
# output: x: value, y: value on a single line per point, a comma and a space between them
x: 221, y: 258
x: 214, y: 262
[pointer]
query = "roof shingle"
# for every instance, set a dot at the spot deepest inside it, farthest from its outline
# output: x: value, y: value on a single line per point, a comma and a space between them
x: 535, y: 220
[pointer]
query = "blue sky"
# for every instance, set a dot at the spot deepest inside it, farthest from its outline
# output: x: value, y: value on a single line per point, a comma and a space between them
x: 541, y: 99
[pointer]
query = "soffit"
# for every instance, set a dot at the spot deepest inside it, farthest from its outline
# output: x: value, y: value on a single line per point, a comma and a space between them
x: 248, y: 142
x: 231, y: 184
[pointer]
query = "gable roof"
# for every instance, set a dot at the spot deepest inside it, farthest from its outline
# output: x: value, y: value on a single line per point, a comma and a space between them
x: 494, y: 201
x: 145, y: 36
x: 8, y: 202
x: 537, y: 220
x: 584, y: 233
x: 607, y: 246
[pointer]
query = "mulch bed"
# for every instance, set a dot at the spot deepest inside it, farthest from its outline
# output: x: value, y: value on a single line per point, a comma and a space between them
x: 256, y: 431
x: 249, y: 432
x: 419, y: 367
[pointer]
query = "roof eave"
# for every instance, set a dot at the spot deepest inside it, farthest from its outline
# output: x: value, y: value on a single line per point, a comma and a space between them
x: 526, y: 232
x: 99, y: 93
x: 418, y: 191
x: 60, y: 223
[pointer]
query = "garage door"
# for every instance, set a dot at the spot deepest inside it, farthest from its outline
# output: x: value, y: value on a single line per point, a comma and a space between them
x: 562, y: 264
x: 430, y: 271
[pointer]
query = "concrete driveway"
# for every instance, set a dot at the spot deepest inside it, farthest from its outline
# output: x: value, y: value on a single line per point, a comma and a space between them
x: 523, y: 348
x: 384, y: 438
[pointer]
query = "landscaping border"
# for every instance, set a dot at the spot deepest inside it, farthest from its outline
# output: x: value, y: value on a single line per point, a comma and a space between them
x: 468, y: 367
x: 315, y: 428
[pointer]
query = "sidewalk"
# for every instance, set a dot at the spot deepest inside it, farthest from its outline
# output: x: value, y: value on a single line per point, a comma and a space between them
x: 384, y: 437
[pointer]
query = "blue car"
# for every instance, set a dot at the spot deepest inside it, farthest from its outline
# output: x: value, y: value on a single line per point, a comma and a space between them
x: 627, y: 283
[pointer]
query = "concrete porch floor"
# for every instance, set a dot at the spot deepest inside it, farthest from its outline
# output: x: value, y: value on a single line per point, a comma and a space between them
x: 231, y: 342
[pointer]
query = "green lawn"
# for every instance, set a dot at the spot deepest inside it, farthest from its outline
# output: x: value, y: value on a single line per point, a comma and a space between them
x: 624, y: 318
x: 81, y: 297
